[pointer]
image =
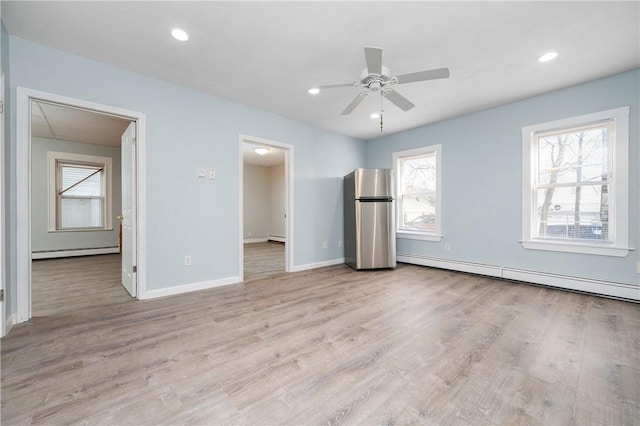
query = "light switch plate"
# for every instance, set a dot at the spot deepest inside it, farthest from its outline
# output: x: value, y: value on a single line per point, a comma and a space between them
x: 201, y: 172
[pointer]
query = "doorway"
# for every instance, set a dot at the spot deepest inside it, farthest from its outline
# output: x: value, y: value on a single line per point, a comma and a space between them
x: 80, y: 192
x: 76, y: 174
x: 266, y: 193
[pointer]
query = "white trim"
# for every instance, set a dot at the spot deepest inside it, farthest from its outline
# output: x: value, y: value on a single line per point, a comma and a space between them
x: 255, y: 240
x: 187, y: 288
x: 408, y: 153
x: 606, y: 288
x: 408, y: 235
x: 315, y: 265
x: 289, y: 196
x: 52, y: 170
x: 619, y: 217
x: 276, y: 238
x: 3, y: 248
x: 74, y: 252
x: 603, y: 249
x: 23, y: 188
x: 11, y: 321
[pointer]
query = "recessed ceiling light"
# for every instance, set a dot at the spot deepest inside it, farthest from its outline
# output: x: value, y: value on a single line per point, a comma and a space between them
x: 375, y: 115
x: 548, y: 57
x: 179, y: 34
x: 261, y: 151
x: 314, y: 91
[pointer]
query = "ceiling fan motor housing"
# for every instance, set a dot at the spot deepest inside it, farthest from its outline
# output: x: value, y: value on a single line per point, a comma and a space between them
x: 375, y: 82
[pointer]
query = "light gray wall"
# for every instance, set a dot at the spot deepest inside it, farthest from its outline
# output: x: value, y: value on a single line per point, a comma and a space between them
x: 482, y: 180
x: 277, y: 204
x: 41, y: 239
x: 256, y: 200
x: 187, y: 130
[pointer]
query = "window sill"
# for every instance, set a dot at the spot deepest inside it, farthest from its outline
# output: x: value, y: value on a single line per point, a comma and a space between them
x: 54, y: 231
x: 603, y: 249
x: 408, y: 235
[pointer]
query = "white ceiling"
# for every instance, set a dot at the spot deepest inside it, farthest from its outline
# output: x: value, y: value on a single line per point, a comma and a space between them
x: 267, y: 54
x: 59, y: 122
x: 272, y: 158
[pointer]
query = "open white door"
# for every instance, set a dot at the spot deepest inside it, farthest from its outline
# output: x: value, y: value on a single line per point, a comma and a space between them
x: 2, y: 236
x: 128, y: 216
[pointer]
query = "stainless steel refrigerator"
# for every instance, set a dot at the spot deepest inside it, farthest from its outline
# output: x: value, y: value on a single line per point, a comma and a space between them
x: 369, y: 219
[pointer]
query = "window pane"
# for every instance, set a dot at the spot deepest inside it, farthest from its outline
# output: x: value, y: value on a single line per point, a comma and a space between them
x: 90, y: 187
x: 573, y: 212
x: 419, y: 212
x: 81, y: 213
x: 577, y: 156
x: 419, y: 174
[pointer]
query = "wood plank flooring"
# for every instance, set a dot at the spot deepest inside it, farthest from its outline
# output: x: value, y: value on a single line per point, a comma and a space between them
x: 71, y: 284
x: 263, y: 260
x: 332, y: 346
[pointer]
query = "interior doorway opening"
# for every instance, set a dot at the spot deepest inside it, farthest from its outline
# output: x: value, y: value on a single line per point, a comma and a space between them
x: 76, y: 200
x: 266, y: 209
x: 72, y: 210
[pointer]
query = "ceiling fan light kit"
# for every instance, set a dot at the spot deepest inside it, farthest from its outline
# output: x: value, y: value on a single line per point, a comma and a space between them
x: 377, y: 78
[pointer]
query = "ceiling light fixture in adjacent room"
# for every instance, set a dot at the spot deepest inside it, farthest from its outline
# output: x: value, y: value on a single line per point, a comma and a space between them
x: 549, y: 56
x: 314, y: 91
x: 179, y: 34
x: 261, y: 151
x: 374, y: 115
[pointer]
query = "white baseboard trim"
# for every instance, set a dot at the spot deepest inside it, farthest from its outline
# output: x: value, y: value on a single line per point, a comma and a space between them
x: 307, y: 266
x: 74, y: 252
x: 10, y: 322
x: 606, y: 288
x: 278, y: 239
x: 186, y: 288
x: 255, y: 240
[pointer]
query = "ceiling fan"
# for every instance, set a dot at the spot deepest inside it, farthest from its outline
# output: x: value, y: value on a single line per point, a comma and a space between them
x: 377, y: 78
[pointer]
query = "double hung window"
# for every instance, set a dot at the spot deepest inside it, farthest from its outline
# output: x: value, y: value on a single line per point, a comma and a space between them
x: 576, y: 190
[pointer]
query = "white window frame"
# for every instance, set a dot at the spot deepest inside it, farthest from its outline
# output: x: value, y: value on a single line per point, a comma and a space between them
x: 53, y: 159
x: 618, y: 194
x: 416, y: 152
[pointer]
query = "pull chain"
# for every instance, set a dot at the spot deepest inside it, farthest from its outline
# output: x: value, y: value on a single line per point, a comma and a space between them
x: 381, y: 112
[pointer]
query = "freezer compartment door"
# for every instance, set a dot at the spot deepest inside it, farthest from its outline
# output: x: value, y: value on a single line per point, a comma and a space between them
x: 375, y: 235
x: 373, y: 183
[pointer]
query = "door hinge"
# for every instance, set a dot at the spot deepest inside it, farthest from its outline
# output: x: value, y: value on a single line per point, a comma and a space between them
x: 133, y: 140
x: 135, y: 269
x: 1, y: 295
x: 1, y: 107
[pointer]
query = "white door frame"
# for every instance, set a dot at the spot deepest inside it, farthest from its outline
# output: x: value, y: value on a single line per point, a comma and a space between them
x: 24, y: 96
x: 288, y: 177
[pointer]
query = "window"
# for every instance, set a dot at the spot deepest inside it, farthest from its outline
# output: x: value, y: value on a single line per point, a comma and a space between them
x: 418, y: 193
x: 79, y: 192
x: 575, y: 195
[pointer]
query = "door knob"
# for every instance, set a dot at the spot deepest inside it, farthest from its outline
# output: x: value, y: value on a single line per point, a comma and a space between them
x: 119, y: 217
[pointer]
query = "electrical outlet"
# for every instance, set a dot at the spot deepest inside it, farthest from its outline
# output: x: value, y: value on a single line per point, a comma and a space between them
x: 340, y: 243
x: 325, y: 245
x: 212, y: 174
x: 447, y: 247
x: 187, y: 260
x: 250, y: 233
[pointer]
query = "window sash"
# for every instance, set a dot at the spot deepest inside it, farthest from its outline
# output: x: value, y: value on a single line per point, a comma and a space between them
x: 432, y: 230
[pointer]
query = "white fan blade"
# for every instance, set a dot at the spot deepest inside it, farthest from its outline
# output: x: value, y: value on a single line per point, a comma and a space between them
x: 354, y: 103
x: 333, y: 86
x: 423, y: 75
x: 399, y: 100
x: 373, y: 55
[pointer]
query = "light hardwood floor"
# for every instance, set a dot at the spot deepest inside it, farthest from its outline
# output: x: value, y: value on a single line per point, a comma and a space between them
x: 333, y: 346
x: 263, y: 260
x: 71, y: 284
